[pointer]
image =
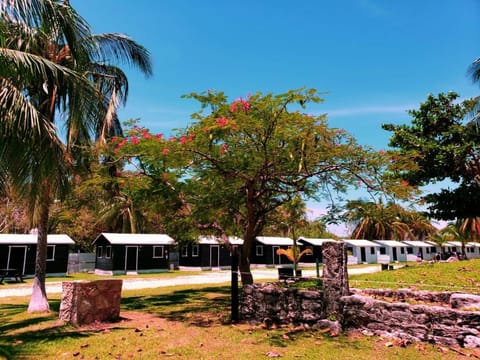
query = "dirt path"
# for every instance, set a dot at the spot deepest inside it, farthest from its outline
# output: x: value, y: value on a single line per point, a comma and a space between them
x: 207, y: 277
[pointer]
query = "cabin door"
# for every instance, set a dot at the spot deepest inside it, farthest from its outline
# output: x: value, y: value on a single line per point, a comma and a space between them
x: 276, y: 260
x: 214, y: 256
x: 363, y: 255
x: 17, y: 256
x: 131, y: 258
x: 394, y: 254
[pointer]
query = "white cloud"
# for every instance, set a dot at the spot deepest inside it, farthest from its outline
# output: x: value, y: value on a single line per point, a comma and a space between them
x: 371, y: 110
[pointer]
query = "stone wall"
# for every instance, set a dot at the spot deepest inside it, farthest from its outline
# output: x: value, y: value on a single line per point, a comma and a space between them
x: 431, y: 323
x: 445, y: 318
x: 271, y: 304
x: 85, y: 302
x: 280, y: 304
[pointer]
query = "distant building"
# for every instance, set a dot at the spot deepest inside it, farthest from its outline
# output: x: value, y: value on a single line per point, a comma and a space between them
x: 264, y: 250
x: 392, y: 250
x: 132, y: 253
x: 416, y: 247
x: 361, y: 251
x: 18, y: 251
x: 315, y: 245
x: 209, y: 252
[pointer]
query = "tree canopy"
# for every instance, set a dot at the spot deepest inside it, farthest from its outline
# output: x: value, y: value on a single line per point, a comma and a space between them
x: 239, y: 161
x: 444, y: 145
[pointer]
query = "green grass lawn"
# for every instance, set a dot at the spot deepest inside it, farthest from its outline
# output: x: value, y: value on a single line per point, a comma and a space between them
x: 463, y: 276
x: 192, y: 322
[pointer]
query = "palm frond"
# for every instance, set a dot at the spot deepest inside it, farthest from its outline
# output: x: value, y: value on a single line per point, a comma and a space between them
x: 119, y: 48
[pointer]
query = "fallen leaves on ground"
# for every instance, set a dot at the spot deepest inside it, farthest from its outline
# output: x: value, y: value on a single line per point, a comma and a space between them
x: 273, y: 354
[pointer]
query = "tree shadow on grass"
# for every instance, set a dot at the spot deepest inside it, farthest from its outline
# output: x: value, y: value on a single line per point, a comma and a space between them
x: 200, y: 307
x: 20, y: 334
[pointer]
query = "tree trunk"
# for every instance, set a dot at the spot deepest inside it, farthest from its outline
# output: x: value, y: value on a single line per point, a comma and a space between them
x: 244, y: 266
x: 39, y: 301
x: 244, y: 261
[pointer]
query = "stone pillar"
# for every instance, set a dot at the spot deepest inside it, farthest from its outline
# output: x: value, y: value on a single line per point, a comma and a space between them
x: 334, y: 278
x: 84, y: 302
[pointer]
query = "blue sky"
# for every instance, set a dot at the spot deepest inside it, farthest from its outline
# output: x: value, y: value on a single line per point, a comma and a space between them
x: 374, y: 59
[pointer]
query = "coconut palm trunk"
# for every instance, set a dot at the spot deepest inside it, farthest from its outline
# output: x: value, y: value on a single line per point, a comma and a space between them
x: 39, y: 300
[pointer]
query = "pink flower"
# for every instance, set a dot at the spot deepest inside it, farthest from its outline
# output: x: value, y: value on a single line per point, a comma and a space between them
x: 145, y: 134
x: 165, y: 151
x: 114, y: 139
x: 121, y: 143
x: 191, y: 137
x: 381, y: 151
x: 182, y: 140
x: 222, y: 122
x: 404, y: 183
x: 240, y: 104
x: 224, y: 148
x: 135, y: 140
x: 158, y: 136
x: 172, y: 138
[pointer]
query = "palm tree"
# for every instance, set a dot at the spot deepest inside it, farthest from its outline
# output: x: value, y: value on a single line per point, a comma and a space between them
x: 469, y: 230
x: 440, y: 238
x: 454, y: 232
x: 53, y: 68
x: 419, y: 226
x: 374, y: 221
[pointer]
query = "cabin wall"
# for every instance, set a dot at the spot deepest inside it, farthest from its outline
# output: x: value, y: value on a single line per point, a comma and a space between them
x: 269, y: 256
x: 24, y: 261
x: 60, y: 263
x: 104, y: 261
x: 369, y: 253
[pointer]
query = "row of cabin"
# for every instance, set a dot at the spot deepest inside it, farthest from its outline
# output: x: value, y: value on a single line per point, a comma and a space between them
x: 134, y: 253
x: 152, y: 252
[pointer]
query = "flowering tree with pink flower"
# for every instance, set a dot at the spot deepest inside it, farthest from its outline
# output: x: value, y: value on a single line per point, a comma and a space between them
x: 239, y: 161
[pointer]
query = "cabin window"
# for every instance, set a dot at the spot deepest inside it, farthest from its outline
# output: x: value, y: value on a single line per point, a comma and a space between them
x: 428, y: 250
x: 433, y: 249
x: 184, y: 251
x: 195, y: 250
x: 158, y: 251
x: 50, y: 252
x: 372, y: 251
x: 409, y: 250
x: 259, y: 250
x: 108, y: 252
x: 402, y: 250
x: 383, y: 251
x: 99, y: 251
